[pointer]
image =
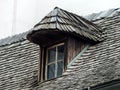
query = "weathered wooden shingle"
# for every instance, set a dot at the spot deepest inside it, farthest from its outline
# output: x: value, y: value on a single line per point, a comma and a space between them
x: 62, y: 20
x: 91, y: 17
x: 98, y: 65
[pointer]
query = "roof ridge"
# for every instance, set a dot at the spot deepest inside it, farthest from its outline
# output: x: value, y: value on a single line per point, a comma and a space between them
x: 103, y: 14
x: 12, y: 39
x: 21, y: 36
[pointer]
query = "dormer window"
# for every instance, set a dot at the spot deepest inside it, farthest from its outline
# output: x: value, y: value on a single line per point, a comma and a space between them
x: 55, y: 57
x: 55, y: 61
x: 60, y: 26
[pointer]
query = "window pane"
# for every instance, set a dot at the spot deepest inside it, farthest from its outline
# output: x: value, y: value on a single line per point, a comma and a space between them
x: 51, y: 71
x: 61, y: 52
x: 51, y: 55
x: 59, y: 68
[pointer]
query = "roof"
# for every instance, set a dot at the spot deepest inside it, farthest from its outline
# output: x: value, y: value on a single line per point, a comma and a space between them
x: 64, y: 21
x: 103, y: 14
x: 13, y: 39
x: 99, y: 64
x: 19, y: 37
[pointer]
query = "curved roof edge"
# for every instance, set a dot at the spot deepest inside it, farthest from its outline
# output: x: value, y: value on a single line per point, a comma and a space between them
x: 95, y: 16
x: 63, y: 20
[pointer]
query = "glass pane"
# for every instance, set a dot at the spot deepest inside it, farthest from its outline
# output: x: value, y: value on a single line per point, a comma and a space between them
x: 60, y: 68
x: 61, y: 52
x: 51, y: 71
x: 51, y: 55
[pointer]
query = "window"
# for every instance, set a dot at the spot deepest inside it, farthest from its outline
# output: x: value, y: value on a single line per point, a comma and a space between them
x: 55, y: 57
x: 55, y: 61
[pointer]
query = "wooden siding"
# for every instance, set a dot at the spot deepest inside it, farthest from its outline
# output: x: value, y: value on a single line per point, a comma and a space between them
x: 74, y: 46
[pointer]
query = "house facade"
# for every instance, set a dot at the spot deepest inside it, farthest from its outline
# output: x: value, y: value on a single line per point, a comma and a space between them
x: 64, y: 51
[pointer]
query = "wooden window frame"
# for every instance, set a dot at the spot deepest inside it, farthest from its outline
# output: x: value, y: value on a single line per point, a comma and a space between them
x: 72, y: 46
x: 56, y: 61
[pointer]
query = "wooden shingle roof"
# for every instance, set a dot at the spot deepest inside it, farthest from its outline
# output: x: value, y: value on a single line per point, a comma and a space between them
x: 64, y: 21
x: 98, y: 65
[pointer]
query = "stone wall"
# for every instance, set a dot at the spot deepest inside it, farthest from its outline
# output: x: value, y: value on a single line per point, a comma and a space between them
x: 18, y: 65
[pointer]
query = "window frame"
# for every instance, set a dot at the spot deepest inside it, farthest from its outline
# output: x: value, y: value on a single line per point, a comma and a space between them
x: 55, y: 62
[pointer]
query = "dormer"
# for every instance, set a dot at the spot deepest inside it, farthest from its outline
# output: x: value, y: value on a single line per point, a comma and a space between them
x: 61, y: 36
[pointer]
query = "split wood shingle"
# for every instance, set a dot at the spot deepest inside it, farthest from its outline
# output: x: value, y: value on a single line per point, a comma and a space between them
x: 91, y: 17
x: 99, y: 64
x: 62, y: 20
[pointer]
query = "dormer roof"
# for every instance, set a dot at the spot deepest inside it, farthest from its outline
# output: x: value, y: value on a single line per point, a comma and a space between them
x: 64, y: 21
